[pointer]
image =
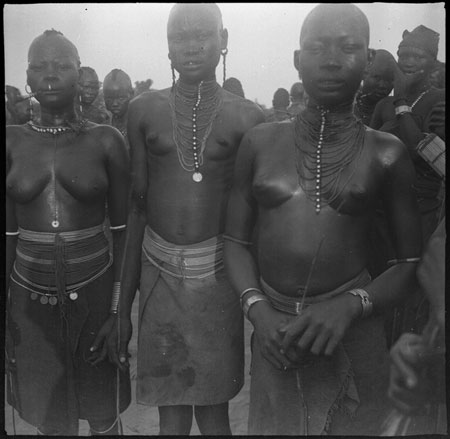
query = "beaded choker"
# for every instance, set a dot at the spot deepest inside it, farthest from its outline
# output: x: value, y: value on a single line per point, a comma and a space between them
x: 193, y: 113
x: 75, y: 127
x: 327, y: 142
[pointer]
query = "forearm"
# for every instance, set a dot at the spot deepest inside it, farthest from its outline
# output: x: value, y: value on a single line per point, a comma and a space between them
x: 392, y: 286
x: 131, y: 266
x: 410, y: 133
x: 11, y: 243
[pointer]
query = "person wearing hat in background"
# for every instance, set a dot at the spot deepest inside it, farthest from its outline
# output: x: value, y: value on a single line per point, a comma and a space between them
x: 416, y: 115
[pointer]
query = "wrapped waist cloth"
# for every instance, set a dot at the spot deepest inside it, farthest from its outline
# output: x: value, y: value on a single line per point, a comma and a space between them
x: 54, y: 264
x: 338, y: 394
x: 191, y: 345
x: 186, y: 261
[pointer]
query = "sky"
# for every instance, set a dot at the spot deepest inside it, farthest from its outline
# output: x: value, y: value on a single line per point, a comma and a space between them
x: 132, y: 37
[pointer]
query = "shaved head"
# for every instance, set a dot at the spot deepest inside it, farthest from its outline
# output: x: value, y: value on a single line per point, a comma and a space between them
x: 331, y: 13
x: 181, y: 8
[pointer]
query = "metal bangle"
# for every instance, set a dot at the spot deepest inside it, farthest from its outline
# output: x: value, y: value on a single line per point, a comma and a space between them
x: 402, y: 109
x: 367, y: 305
x: 12, y: 233
x: 118, y: 228
x: 251, y: 301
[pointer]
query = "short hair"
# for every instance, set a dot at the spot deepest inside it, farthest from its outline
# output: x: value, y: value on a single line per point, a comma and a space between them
x: 54, y: 33
x: 233, y: 85
x: 116, y: 74
x: 328, y: 8
x: 87, y: 70
x: 211, y: 6
x: 281, y: 98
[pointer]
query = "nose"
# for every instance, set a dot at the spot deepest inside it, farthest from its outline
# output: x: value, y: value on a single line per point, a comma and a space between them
x: 332, y: 59
x: 193, y: 47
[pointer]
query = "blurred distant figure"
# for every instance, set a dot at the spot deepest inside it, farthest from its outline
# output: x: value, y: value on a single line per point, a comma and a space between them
x: 437, y: 76
x: 378, y: 83
x: 233, y: 85
x: 280, y: 103
x: 118, y: 92
x: 18, y: 107
x: 298, y: 99
x: 92, y: 106
x: 141, y: 86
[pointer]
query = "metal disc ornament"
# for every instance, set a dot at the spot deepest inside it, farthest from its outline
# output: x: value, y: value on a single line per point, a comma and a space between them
x: 44, y: 300
x: 73, y: 296
x: 55, y: 224
x: 197, y: 177
x: 33, y: 296
x: 53, y: 300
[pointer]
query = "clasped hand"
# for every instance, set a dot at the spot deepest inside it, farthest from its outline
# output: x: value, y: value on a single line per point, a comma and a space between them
x: 318, y: 330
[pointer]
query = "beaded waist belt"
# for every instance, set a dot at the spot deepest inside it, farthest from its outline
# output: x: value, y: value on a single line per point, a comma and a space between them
x: 54, y: 265
x: 294, y: 305
x: 193, y: 261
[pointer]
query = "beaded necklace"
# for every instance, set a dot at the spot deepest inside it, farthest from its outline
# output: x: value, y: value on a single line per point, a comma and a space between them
x: 419, y: 98
x: 327, y: 142
x: 193, y: 113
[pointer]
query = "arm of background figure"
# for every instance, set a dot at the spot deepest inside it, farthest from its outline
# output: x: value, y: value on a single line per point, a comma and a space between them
x: 240, y: 265
x: 377, y: 117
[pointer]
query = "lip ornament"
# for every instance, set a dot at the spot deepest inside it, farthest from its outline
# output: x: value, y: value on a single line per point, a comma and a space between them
x: 49, y: 87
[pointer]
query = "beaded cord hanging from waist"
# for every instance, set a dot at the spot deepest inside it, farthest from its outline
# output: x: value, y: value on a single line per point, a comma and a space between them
x: 73, y: 235
x: 294, y: 305
x: 194, y: 261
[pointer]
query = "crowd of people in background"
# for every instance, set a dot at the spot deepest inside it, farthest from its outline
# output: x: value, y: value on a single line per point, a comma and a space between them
x: 320, y: 219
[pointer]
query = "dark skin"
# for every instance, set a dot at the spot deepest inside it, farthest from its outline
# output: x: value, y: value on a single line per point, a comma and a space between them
x: 88, y: 169
x: 411, y: 78
x: 379, y: 80
x: 164, y: 196
x: 331, y: 63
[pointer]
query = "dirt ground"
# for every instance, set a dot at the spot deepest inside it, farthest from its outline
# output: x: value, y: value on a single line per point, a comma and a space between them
x: 143, y: 420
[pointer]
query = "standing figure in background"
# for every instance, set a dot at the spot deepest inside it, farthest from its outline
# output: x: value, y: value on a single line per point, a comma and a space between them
x: 19, y: 109
x: 91, y: 104
x: 298, y: 99
x: 319, y: 356
x: 117, y: 92
x: 234, y: 86
x: 280, y: 103
x: 416, y: 115
x: 62, y: 282
x: 183, y: 143
x: 378, y: 82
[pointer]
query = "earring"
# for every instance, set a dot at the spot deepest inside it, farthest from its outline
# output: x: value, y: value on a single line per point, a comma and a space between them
x: 80, y: 106
x: 174, y: 78
x: 30, y: 102
x: 224, y: 54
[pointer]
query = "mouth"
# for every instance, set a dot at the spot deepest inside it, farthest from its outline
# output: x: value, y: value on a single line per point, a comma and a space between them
x: 192, y: 64
x: 329, y: 84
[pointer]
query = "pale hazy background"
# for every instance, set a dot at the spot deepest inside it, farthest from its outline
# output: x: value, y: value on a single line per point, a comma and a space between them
x: 132, y: 37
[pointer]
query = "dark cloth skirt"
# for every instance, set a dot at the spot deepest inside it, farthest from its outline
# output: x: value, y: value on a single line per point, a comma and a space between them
x: 52, y: 383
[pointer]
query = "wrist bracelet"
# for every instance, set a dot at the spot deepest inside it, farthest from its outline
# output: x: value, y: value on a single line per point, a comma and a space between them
x: 12, y: 233
x: 251, y: 301
x: 402, y: 109
x: 118, y: 228
x: 241, y: 296
x: 367, y: 305
x: 115, y: 298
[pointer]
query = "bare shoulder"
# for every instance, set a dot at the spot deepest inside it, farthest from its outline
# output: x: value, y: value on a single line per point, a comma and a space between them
x: 149, y: 100
x: 15, y: 134
x: 107, y: 136
x: 248, y: 113
x: 386, y: 147
x: 266, y: 135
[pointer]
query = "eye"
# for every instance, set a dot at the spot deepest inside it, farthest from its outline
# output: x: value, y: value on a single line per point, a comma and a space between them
x: 349, y: 48
x: 35, y: 67
x: 314, y: 48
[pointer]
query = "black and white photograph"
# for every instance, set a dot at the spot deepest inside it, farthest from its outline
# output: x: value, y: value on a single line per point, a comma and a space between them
x: 225, y: 219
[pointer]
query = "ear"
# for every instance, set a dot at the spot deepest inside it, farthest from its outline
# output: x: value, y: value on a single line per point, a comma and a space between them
x: 297, y: 62
x: 168, y: 56
x: 223, y: 39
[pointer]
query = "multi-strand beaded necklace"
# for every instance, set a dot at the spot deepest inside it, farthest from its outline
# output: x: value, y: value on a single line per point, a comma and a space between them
x: 193, y: 113
x: 327, y: 142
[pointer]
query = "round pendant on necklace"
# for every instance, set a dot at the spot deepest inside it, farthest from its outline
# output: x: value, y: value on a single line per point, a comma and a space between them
x: 55, y: 224
x: 53, y: 300
x: 73, y: 296
x: 44, y: 300
x: 197, y: 177
x: 33, y: 296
